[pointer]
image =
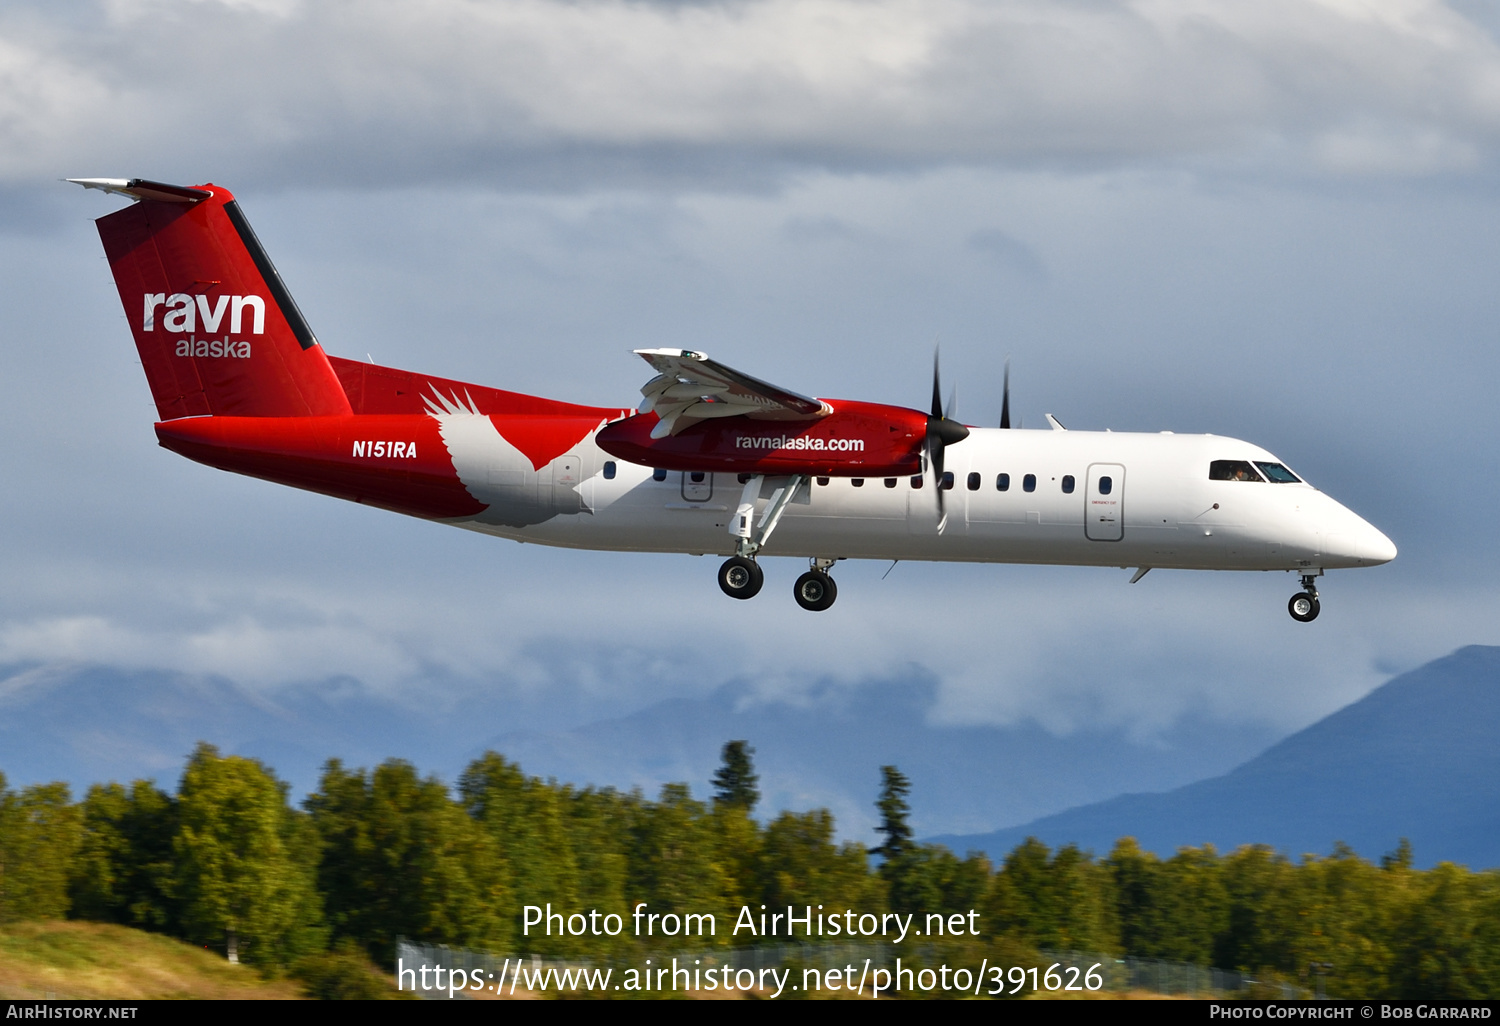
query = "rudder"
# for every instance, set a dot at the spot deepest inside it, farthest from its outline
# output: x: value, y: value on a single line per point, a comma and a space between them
x: 217, y: 331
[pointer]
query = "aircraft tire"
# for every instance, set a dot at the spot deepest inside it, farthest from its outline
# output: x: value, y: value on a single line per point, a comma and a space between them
x: 741, y: 578
x: 815, y: 591
x: 1303, y: 607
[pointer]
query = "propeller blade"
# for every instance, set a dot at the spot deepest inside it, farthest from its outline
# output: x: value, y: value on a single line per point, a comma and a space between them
x: 942, y: 432
x: 1005, y: 401
x: 951, y: 410
x: 942, y: 498
x: 937, y: 388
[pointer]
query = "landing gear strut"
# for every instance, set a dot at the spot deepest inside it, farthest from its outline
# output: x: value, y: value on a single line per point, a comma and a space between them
x: 815, y: 590
x: 740, y: 577
x: 1304, y: 605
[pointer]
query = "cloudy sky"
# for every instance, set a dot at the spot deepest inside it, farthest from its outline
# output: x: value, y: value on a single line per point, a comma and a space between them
x: 1276, y: 221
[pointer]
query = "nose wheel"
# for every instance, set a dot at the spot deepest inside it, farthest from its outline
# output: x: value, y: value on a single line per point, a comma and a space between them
x: 815, y: 591
x: 740, y: 577
x: 1304, y: 605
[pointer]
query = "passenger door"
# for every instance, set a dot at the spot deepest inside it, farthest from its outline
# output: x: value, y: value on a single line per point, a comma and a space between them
x: 1104, y: 503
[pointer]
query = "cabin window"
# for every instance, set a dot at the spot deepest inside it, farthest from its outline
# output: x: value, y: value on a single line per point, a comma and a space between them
x: 696, y: 477
x: 1067, y: 484
x: 1002, y: 483
x: 823, y: 481
x: 658, y: 474
x: 890, y: 482
x: 973, y: 482
x: 1106, y: 485
x: 743, y: 478
x: 1028, y: 483
x: 1277, y: 474
x: 916, y: 481
x: 1232, y: 470
x: 609, y: 470
x: 947, y: 485
x: 857, y: 482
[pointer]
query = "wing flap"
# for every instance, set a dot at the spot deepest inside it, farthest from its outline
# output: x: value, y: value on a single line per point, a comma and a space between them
x: 690, y: 387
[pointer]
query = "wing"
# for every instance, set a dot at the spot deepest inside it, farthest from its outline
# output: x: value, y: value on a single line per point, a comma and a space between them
x: 690, y: 387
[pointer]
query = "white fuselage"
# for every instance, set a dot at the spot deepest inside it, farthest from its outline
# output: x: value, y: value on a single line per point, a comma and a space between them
x: 1161, y: 509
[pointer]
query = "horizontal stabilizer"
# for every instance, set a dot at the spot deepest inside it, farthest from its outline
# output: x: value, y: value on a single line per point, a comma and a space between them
x: 140, y: 188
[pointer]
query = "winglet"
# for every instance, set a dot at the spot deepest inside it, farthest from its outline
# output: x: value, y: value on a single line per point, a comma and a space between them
x: 141, y: 188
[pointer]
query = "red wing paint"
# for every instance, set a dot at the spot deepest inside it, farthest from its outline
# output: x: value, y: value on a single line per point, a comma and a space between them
x: 855, y: 440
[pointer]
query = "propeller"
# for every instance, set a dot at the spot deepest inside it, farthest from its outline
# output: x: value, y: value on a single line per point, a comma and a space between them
x: 1005, y: 401
x: 941, y: 433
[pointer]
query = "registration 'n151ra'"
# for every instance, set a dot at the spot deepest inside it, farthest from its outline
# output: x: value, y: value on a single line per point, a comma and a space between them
x: 398, y: 450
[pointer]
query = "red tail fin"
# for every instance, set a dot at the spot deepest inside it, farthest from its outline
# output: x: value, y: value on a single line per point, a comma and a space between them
x: 216, y: 329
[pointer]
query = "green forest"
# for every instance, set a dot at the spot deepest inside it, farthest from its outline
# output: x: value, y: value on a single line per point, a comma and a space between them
x: 229, y: 862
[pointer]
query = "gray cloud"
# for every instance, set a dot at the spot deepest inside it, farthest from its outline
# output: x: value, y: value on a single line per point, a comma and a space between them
x: 546, y: 94
x: 1008, y: 251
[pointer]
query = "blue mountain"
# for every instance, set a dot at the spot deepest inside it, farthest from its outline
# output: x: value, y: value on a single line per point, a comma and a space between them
x: 1417, y: 758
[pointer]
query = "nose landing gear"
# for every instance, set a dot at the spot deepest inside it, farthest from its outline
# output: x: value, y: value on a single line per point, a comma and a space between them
x: 1304, y: 605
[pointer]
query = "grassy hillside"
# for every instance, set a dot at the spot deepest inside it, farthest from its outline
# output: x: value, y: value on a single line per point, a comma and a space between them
x: 70, y: 960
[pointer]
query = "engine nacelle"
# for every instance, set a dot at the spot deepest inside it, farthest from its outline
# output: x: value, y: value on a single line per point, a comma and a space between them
x: 855, y: 440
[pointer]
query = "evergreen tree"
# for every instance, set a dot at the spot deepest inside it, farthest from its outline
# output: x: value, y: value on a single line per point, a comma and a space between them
x: 893, y: 812
x: 734, y: 783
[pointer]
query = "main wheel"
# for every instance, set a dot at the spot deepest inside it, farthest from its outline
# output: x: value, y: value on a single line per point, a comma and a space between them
x: 815, y: 591
x: 1303, y: 607
x: 741, y: 578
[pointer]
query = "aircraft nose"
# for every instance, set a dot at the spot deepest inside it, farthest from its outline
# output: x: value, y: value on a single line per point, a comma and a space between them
x: 1361, y: 543
x: 1382, y: 549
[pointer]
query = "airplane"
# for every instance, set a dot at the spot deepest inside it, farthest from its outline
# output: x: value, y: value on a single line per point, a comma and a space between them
x: 711, y: 461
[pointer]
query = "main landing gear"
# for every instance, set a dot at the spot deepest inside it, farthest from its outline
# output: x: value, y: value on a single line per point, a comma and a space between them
x: 741, y: 577
x: 815, y: 590
x: 1304, y: 605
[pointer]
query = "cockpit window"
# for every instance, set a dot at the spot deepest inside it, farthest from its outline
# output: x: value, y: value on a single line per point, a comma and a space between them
x: 1232, y: 470
x: 1277, y: 474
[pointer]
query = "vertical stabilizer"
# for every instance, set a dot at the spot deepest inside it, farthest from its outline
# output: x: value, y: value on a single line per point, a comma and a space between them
x: 217, y: 331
